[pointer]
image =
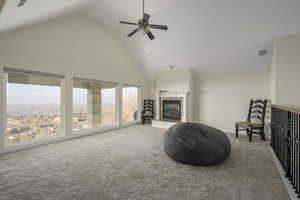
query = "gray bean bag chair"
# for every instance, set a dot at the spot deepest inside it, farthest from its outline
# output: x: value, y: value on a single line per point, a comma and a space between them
x: 196, y: 144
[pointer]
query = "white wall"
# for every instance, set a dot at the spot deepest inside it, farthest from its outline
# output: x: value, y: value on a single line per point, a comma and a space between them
x: 177, y: 80
x: 74, y: 46
x: 174, y: 80
x: 223, y: 100
x: 152, y: 88
x: 285, y: 71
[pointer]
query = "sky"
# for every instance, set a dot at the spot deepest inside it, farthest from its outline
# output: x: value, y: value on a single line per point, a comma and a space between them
x: 24, y: 94
x: 38, y: 94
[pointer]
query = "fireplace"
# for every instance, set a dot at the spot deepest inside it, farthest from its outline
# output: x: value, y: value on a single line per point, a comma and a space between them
x: 171, y: 109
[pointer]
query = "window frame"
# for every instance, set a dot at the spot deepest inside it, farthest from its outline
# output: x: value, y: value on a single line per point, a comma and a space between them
x: 4, y: 104
x: 139, y: 100
x: 66, y: 110
x: 102, y: 127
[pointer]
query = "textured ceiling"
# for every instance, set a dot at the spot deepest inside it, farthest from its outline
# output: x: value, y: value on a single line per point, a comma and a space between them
x: 209, y: 36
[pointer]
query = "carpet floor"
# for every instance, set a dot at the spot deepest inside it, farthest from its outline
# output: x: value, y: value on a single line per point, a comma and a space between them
x: 130, y: 163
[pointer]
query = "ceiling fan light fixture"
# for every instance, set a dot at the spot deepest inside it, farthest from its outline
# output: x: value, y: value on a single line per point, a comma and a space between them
x: 149, y: 34
x: 262, y: 52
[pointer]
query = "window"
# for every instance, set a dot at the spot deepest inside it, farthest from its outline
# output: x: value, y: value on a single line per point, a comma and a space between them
x: 33, y: 106
x: 93, y: 104
x: 108, y: 96
x: 130, y: 103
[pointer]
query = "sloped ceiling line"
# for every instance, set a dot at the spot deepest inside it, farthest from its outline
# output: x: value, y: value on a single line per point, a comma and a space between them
x: 209, y: 36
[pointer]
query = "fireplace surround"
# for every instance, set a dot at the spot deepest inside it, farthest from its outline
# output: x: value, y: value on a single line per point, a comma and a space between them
x: 173, y: 102
x: 171, y: 108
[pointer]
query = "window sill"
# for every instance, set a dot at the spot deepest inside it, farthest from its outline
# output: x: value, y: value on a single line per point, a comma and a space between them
x: 34, y: 141
x: 130, y: 123
x: 93, y: 130
x: 62, y: 137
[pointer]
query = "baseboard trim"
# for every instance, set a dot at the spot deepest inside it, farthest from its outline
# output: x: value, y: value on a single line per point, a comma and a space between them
x: 162, y: 124
x: 287, y: 184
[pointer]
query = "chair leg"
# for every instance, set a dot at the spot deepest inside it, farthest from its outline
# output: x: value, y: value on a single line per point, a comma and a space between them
x: 250, y: 135
x: 236, y: 131
x: 263, y: 136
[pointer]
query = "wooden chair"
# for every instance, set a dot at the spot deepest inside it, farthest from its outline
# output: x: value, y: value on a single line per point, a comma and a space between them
x: 148, y: 111
x: 256, y: 120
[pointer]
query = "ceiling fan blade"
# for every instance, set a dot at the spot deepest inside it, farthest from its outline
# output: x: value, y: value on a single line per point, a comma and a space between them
x: 149, y: 34
x: 146, y: 17
x: 130, y: 23
x: 143, y: 24
x: 134, y: 31
x: 2, y: 2
x: 21, y: 3
x: 160, y: 27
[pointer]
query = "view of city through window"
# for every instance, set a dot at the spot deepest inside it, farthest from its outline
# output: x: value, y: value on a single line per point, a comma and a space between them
x: 108, y: 106
x: 33, y: 107
x: 93, y: 104
x: 130, y: 104
x: 34, y: 104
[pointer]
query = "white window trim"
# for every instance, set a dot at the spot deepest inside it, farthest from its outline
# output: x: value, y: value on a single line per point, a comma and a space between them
x: 7, y: 70
x: 103, y: 127
x: 63, y: 107
x: 2, y: 108
x: 55, y: 139
x: 66, y: 113
x: 68, y: 105
x: 119, y: 105
x: 138, y: 106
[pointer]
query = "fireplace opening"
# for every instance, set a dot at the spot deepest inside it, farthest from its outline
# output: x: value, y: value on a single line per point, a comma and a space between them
x: 171, y: 110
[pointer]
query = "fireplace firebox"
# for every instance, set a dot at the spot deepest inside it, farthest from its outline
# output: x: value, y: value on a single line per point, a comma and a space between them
x: 171, y: 110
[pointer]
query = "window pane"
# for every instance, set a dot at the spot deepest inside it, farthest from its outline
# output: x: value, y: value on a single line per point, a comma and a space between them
x: 130, y: 104
x: 93, y: 104
x: 33, y: 107
x: 80, y: 108
x: 108, y: 105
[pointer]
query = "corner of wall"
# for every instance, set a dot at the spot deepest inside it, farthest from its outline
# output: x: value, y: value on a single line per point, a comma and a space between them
x: 273, y: 72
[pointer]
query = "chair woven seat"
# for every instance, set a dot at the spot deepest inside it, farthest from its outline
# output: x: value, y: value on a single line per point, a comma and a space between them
x: 248, y: 124
x: 256, y: 120
x: 148, y: 114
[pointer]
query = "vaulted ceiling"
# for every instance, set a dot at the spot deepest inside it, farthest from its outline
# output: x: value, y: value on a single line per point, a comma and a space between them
x: 13, y: 17
x: 209, y: 36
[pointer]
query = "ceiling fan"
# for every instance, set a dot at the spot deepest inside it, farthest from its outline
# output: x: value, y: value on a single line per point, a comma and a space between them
x: 143, y: 25
x: 20, y: 4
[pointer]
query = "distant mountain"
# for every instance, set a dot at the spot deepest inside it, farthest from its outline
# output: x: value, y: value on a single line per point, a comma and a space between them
x: 38, y: 109
x: 32, y: 109
x: 41, y: 109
